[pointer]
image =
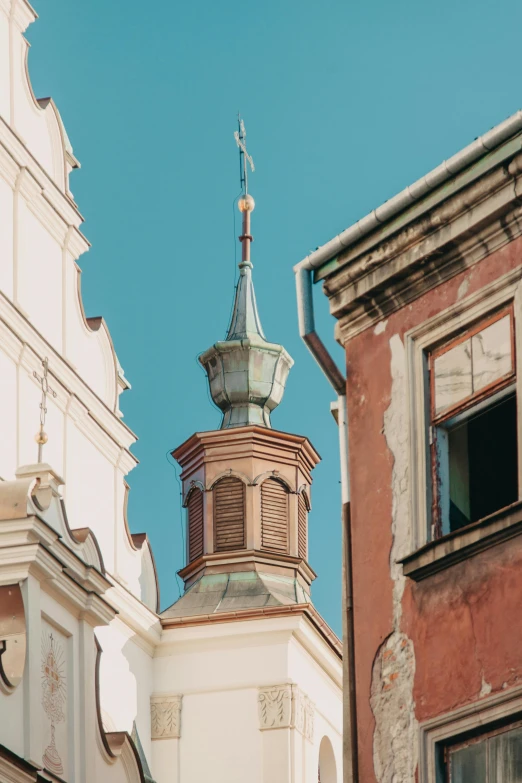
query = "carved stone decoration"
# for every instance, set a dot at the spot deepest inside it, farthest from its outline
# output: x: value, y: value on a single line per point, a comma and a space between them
x: 299, y: 709
x: 309, y: 719
x: 54, y: 699
x: 286, y: 707
x: 165, y: 716
x: 275, y: 707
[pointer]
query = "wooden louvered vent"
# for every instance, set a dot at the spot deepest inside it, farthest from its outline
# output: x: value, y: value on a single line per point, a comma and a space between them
x: 229, y: 515
x: 274, y: 516
x: 195, y: 524
x: 302, y: 526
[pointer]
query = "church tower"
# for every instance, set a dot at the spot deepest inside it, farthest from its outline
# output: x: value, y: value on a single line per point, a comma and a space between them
x: 246, y: 487
x: 264, y: 665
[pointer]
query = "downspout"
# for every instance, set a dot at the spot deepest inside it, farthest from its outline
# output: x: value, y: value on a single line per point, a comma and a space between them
x: 305, y: 310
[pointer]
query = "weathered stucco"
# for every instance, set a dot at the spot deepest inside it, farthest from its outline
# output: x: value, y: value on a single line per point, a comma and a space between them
x: 455, y: 635
x: 394, y: 745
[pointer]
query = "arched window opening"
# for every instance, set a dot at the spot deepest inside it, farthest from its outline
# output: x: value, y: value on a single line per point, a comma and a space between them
x: 229, y: 514
x: 302, y: 525
x: 327, y: 772
x: 195, y: 524
x: 13, y: 637
x: 274, y: 516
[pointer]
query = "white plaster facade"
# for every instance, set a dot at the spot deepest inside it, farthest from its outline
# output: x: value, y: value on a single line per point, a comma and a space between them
x: 252, y: 699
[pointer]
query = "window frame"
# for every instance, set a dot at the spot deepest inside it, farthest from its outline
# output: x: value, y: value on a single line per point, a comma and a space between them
x: 463, y: 408
x: 486, y: 391
x: 500, y: 709
x: 475, y: 739
x: 464, y: 315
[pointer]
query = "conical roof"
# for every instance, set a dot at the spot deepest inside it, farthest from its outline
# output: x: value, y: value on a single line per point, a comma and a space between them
x: 245, y: 323
x: 246, y: 373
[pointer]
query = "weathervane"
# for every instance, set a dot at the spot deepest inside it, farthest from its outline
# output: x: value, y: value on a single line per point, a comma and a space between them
x: 41, y: 436
x: 244, y: 157
x: 246, y: 203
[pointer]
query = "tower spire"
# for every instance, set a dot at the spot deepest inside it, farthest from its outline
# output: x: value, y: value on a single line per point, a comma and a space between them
x: 246, y: 373
x: 245, y: 322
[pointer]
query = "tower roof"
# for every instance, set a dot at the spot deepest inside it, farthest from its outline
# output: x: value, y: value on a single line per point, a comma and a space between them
x: 245, y: 323
x: 246, y: 373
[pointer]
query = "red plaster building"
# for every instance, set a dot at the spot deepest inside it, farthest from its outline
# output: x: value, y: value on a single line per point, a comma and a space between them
x: 427, y: 293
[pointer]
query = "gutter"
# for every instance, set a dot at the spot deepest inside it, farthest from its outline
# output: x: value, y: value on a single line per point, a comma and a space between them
x: 305, y: 309
x: 413, y: 193
x: 304, y: 288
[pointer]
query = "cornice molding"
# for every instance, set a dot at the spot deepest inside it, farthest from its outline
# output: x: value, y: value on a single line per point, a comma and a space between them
x: 22, y: 14
x: 27, y: 348
x: 471, y: 224
x: 22, y: 158
x: 135, y: 615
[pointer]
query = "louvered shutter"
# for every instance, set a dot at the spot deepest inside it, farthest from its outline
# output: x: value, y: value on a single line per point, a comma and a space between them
x: 229, y: 515
x: 302, y: 526
x: 195, y: 524
x: 274, y: 516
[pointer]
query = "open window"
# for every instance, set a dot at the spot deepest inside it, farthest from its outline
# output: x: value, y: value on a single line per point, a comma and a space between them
x: 473, y: 424
x: 495, y: 757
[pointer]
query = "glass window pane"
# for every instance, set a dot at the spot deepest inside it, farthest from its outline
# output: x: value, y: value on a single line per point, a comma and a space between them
x: 468, y: 765
x: 505, y: 757
x: 491, y: 351
x: 452, y: 371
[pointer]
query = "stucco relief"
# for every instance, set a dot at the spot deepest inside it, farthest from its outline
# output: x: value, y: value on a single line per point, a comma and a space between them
x: 165, y: 716
x: 54, y: 699
x: 286, y: 707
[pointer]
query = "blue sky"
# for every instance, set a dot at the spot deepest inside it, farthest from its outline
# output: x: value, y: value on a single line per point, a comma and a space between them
x: 345, y: 104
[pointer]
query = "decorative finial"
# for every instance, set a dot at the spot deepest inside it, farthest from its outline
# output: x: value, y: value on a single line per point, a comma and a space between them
x: 244, y: 157
x: 41, y: 436
x: 246, y: 203
x: 246, y: 373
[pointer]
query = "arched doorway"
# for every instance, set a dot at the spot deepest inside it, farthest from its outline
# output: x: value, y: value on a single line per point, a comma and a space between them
x: 327, y: 772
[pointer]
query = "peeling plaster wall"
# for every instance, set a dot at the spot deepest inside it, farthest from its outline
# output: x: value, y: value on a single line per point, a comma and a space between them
x: 424, y: 648
x: 391, y: 699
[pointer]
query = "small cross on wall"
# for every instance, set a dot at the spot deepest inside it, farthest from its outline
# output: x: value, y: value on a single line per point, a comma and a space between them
x: 41, y: 436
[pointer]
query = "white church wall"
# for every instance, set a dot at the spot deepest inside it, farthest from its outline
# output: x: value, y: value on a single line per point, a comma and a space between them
x: 125, y: 681
x: 8, y: 415
x: 89, y: 352
x: 11, y: 719
x: 225, y: 725
x: 90, y: 491
x: 4, y: 64
x: 6, y: 235
x: 28, y: 118
x: 326, y: 695
x: 39, y: 275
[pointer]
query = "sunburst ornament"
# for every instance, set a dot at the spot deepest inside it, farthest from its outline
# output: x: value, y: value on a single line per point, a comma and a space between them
x: 54, y: 694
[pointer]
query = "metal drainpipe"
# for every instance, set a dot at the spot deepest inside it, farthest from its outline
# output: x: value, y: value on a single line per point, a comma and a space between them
x: 305, y: 310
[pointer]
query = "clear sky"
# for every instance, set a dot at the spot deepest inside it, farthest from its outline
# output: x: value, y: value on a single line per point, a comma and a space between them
x: 345, y: 104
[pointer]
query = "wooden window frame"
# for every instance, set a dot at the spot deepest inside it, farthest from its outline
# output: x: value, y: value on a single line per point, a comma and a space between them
x: 486, y: 391
x: 464, y: 405
x: 475, y: 740
x: 499, y: 709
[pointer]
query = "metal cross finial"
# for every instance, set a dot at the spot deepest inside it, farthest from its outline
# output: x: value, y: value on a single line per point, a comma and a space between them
x: 244, y: 157
x: 41, y: 435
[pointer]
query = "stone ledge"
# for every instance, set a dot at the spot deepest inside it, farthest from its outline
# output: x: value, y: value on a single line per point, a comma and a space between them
x: 462, y: 544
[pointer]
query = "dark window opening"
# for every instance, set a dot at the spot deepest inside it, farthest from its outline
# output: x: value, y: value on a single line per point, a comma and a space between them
x: 482, y: 463
x: 496, y: 758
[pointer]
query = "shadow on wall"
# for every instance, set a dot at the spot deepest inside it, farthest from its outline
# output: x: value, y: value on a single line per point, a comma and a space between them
x: 327, y: 766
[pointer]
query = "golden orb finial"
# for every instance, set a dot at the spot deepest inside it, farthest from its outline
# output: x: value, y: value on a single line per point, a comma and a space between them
x: 41, y: 438
x: 246, y: 203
